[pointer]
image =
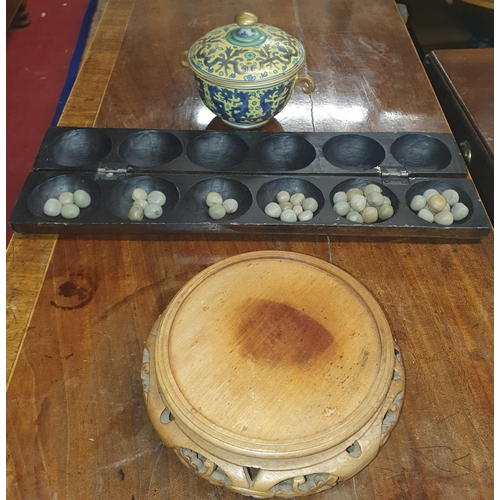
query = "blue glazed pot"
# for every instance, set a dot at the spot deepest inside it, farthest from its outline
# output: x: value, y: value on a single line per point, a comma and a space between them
x: 246, y: 72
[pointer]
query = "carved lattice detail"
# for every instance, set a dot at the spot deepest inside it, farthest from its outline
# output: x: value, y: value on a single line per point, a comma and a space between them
x: 397, y: 387
x: 303, y: 485
x: 203, y: 467
x: 288, y: 488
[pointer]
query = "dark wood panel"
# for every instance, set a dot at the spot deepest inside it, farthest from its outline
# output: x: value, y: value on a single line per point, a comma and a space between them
x: 463, y: 82
x: 368, y: 75
x: 469, y: 76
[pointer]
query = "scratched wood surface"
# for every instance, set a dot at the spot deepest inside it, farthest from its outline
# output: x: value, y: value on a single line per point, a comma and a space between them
x: 77, y: 425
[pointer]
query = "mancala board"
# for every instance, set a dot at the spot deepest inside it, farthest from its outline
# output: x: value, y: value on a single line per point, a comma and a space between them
x: 251, y: 167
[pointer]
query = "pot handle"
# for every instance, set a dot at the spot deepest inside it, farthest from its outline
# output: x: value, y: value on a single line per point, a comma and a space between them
x: 184, y: 59
x: 307, y: 83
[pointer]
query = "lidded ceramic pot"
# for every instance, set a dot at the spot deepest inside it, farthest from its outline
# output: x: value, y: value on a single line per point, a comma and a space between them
x: 273, y: 374
x: 246, y: 71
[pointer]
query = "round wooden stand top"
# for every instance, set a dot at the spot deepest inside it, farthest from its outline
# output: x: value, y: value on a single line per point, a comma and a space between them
x: 273, y: 354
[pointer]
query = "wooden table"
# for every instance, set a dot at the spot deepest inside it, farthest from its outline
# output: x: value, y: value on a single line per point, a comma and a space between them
x: 80, y: 310
x: 463, y: 81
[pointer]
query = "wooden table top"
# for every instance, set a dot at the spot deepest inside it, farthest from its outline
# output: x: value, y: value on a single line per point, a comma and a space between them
x: 79, y: 310
x: 469, y: 75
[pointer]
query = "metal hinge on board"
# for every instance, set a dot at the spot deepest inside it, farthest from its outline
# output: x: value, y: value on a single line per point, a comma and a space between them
x: 111, y: 171
x: 393, y: 173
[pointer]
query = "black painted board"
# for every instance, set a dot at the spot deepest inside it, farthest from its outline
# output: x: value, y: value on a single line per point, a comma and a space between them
x: 250, y: 152
x: 186, y: 210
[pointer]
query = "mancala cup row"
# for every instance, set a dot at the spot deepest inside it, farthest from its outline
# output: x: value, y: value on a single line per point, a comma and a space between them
x: 303, y: 153
x: 185, y: 209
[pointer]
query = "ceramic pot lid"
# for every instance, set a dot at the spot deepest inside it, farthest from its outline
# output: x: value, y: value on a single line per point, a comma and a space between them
x: 246, y: 52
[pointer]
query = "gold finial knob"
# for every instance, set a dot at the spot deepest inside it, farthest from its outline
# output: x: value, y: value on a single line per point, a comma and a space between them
x: 245, y: 19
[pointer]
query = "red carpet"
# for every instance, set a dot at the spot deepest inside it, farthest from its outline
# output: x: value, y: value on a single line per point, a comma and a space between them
x: 38, y: 59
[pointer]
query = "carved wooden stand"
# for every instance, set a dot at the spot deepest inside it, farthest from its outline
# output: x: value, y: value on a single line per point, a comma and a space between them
x: 274, y: 375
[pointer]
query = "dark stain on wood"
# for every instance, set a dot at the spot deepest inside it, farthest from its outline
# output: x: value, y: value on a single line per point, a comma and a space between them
x: 276, y: 333
x: 75, y: 292
x: 70, y: 289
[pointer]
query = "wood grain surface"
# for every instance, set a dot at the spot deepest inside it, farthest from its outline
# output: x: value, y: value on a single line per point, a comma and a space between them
x: 368, y: 76
x: 77, y: 426
x: 469, y: 75
x: 464, y: 84
x: 85, y: 99
x: 27, y: 261
x: 34, y: 254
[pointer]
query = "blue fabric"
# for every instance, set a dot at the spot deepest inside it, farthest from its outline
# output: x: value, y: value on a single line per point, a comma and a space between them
x: 75, y: 60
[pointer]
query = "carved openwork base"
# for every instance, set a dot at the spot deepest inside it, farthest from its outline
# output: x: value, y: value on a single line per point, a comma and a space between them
x: 291, y: 487
x: 344, y: 460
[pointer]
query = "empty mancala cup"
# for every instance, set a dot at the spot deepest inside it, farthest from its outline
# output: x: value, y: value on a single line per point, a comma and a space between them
x: 246, y: 71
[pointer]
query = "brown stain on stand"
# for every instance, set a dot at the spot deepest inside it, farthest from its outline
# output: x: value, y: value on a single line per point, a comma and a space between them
x: 278, y: 334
